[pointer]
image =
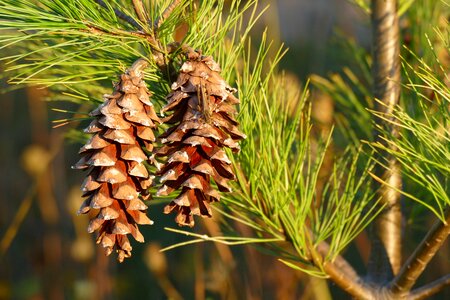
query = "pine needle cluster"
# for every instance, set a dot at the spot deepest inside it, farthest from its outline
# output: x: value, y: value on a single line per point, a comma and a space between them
x: 77, y: 47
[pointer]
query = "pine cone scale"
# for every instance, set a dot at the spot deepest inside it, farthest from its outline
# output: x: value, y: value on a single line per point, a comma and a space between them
x: 119, y: 136
x: 117, y: 176
x: 202, y: 105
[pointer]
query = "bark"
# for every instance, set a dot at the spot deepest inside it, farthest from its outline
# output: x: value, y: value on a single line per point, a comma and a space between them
x: 430, y: 289
x: 342, y: 273
x: 166, y: 13
x: 417, y: 262
x: 357, y: 289
x: 386, y: 243
x: 139, y: 9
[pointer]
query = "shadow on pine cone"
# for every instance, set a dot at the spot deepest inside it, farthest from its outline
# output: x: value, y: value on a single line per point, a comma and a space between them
x: 117, y: 177
x: 203, y: 117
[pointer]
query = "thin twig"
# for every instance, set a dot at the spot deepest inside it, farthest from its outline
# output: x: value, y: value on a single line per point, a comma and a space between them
x: 420, y: 258
x: 158, y: 53
x: 140, y: 11
x: 385, y: 257
x: 118, y: 32
x: 166, y: 13
x: 27, y: 202
x: 120, y: 15
x: 19, y: 217
x: 430, y: 289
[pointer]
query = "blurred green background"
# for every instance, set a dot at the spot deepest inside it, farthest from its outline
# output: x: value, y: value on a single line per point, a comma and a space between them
x: 45, y: 250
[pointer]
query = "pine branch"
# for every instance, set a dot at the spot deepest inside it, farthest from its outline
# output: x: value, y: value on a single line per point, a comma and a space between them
x: 430, y: 289
x: 118, y: 32
x: 343, y: 274
x: 166, y: 13
x: 139, y: 9
x: 386, y: 73
x: 340, y: 262
x: 120, y: 15
x: 353, y: 287
x: 338, y: 270
x: 420, y: 258
x: 158, y: 53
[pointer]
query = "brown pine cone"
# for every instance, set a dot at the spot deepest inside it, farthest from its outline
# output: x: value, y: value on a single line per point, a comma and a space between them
x: 117, y: 178
x: 203, y: 117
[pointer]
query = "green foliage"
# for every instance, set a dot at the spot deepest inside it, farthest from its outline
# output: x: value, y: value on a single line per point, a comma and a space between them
x: 73, y: 47
x: 49, y: 37
x: 285, y: 192
x: 421, y: 120
x: 423, y: 146
x: 74, y: 43
x: 279, y: 171
x: 351, y: 94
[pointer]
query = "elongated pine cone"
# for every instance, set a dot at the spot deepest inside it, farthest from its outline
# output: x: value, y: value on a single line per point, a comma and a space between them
x: 117, y: 178
x: 203, y: 117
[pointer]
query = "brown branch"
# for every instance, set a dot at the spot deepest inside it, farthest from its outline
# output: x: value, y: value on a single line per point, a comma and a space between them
x: 166, y: 13
x: 356, y: 289
x: 342, y: 273
x: 159, y: 54
x: 386, y: 256
x: 139, y: 9
x: 120, y: 33
x: 338, y: 270
x: 420, y: 258
x: 120, y: 15
x: 430, y: 289
x: 340, y: 262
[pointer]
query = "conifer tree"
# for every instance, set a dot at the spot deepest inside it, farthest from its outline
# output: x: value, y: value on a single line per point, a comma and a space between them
x: 395, y: 135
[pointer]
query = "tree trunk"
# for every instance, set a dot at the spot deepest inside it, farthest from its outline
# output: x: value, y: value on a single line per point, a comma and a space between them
x: 386, y: 255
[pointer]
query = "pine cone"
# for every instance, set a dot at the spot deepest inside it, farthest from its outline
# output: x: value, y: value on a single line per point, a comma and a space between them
x: 117, y: 178
x: 203, y: 108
